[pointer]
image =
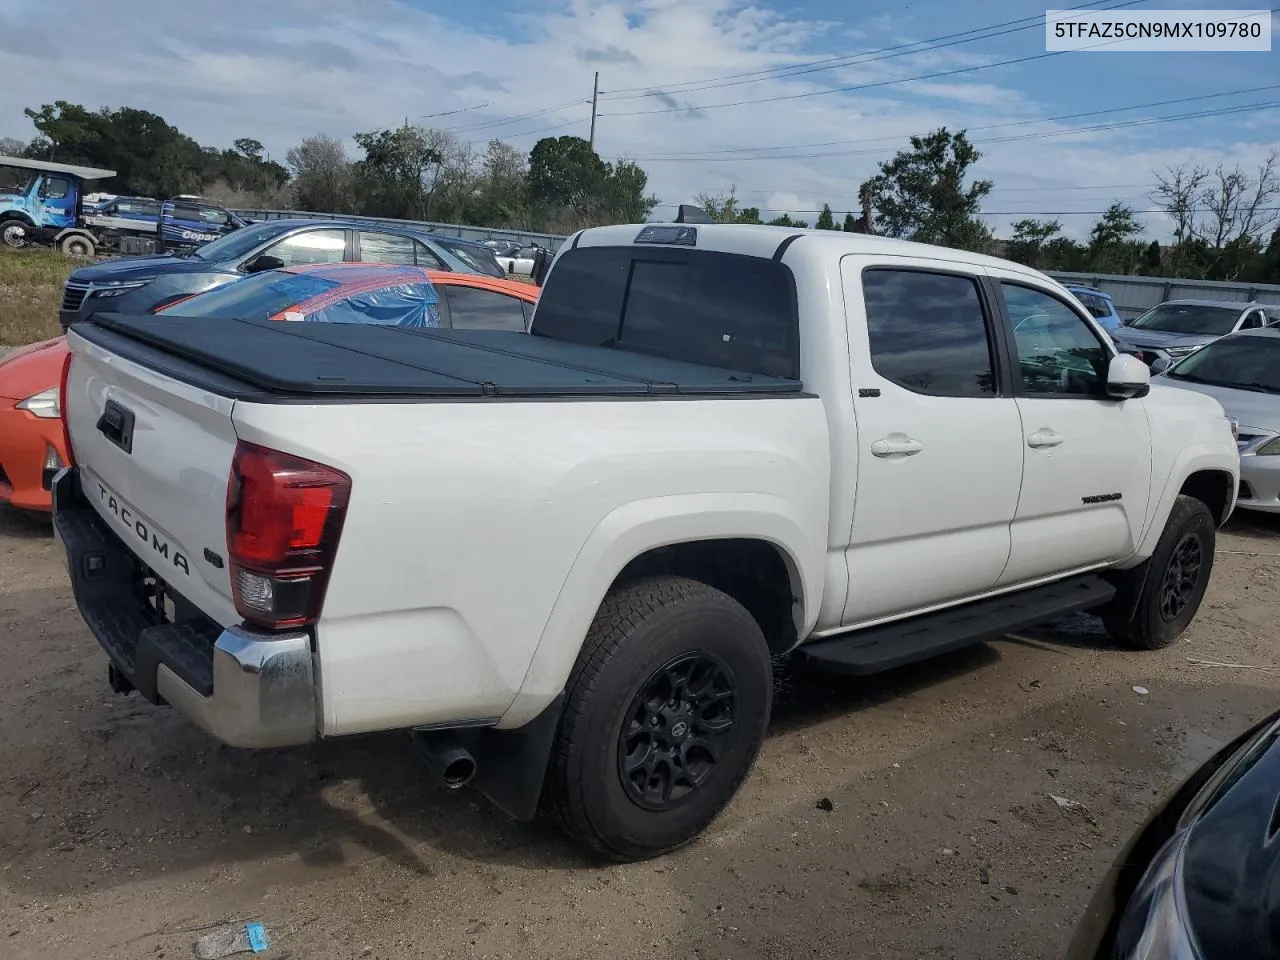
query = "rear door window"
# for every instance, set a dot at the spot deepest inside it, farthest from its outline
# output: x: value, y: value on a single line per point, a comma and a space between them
x: 471, y: 308
x: 928, y: 332
x: 386, y: 248
x: 723, y: 310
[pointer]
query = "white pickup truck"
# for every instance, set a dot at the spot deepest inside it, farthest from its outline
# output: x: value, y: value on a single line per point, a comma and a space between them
x: 566, y: 559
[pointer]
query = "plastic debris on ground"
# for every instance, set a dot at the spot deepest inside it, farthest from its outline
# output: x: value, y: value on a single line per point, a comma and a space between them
x: 232, y: 939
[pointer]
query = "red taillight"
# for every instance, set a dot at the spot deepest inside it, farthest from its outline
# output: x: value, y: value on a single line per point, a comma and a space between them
x: 62, y: 409
x: 284, y: 517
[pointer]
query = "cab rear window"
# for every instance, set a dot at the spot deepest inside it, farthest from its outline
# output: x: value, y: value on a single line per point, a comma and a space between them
x: 723, y: 310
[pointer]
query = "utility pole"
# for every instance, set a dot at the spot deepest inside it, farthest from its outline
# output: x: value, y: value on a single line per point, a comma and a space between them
x: 595, y: 100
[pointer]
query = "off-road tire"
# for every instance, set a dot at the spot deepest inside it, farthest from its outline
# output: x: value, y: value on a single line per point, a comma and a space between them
x: 1146, y: 625
x: 641, y: 630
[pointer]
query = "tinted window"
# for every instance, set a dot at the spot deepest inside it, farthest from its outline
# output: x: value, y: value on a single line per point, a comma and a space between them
x: 1249, y: 363
x: 727, y: 311
x: 1193, y: 319
x: 928, y: 332
x: 1095, y: 305
x: 1253, y: 321
x: 480, y: 259
x: 184, y: 211
x: 1057, y: 352
x: 386, y: 248
x: 428, y: 258
x: 310, y: 246
x: 236, y: 244
x: 213, y: 215
x: 473, y: 309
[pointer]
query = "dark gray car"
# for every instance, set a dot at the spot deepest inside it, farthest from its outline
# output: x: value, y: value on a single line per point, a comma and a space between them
x: 139, y: 284
x: 1177, y: 328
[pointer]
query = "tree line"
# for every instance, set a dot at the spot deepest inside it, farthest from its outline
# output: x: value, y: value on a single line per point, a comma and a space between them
x: 407, y: 172
x: 1226, y: 219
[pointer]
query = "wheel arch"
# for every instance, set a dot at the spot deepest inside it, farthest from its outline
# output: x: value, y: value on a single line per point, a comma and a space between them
x: 713, y: 538
x: 1200, y: 470
x: 20, y: 215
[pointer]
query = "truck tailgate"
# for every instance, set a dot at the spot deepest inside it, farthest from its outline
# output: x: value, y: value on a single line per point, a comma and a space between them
x: 155, y: 457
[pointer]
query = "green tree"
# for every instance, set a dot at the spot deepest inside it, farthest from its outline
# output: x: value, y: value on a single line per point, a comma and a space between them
x: 321, y: 175
x: 1152, y: 259
x: 826, y: 219
x: 565, y: 172
x: 622, y: 194
x: 786, y: 221
x: 397, y: 173
x: 501, y: 196
x: 726, y: 208
x: 1030, y: 238
x: 1115, y: 244
x: 921, y: 194
x: 850, y: 224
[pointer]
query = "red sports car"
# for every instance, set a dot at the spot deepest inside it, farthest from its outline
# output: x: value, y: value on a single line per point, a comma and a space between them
x: 31, y: 421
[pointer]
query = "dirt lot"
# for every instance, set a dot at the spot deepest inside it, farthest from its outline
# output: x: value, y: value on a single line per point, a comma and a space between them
x: 124, y: 832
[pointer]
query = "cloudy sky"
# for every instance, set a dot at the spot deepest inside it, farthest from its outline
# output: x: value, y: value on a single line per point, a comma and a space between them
x: 792, y: 101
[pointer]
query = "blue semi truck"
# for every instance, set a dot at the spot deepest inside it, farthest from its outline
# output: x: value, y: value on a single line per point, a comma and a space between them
x: 43, y: 203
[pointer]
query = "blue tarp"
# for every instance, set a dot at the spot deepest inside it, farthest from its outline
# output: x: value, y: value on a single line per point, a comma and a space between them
x: 405, y: 305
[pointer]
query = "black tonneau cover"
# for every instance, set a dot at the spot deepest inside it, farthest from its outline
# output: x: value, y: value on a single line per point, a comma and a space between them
x: 333, y: 359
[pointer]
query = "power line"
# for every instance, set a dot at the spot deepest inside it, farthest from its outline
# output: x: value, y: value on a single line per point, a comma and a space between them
x: 849, y: 60
x: 861, y: 86
x: 1141, y: 121
x: 988, y: 126
x: 982, y: 213
x: 517, y: 118
x: 526, y: 133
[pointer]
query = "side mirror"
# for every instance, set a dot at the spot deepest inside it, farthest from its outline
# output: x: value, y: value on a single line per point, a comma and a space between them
x: 263, y: 262
x: 1161, y: 364
x: 541, y: 266
x: 1128, y: 378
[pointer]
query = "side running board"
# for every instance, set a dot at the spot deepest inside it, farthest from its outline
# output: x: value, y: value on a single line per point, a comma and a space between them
x: 907, y: 641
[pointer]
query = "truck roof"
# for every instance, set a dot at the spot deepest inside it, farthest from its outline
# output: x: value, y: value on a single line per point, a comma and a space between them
x: 754, y: 240
x: 46, y: 166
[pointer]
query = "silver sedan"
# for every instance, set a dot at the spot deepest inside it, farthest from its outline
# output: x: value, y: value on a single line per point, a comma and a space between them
x: 1242, y: 372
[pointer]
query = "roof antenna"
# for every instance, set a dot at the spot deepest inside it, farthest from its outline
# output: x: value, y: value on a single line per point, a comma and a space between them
x: 688, y: 213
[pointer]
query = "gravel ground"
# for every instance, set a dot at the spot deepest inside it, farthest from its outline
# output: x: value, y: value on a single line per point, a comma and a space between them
x: 906, y: 816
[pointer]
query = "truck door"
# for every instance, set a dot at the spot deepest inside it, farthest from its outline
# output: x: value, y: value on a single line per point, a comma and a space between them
x: 939, y: 441
x: 56, y: 198
x: 1087, y: 473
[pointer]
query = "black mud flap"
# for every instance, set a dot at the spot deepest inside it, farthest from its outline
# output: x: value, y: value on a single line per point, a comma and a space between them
x: 511, y: 765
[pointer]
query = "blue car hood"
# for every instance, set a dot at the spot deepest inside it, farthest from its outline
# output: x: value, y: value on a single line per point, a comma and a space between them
x: 136, y: 268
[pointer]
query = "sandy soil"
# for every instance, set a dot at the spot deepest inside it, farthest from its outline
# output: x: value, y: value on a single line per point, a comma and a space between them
x: 124, y: 832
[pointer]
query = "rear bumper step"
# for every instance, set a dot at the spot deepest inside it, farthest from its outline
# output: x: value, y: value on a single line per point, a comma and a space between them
x: 246, y: 689
x: 908, y: 641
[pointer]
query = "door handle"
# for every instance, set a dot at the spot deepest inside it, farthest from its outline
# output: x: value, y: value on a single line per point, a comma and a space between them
x: 896, y: 445
x: 1044, y: 437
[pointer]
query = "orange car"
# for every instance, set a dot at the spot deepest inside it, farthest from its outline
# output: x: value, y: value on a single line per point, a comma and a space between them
x: 31, y: 438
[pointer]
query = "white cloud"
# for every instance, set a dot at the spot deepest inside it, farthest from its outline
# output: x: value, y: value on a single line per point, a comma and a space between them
x: 290, y: 68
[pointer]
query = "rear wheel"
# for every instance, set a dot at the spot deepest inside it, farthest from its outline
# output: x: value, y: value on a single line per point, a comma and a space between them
x: 1171, y: 585
x: 665, y: 712
x: 77, y: 246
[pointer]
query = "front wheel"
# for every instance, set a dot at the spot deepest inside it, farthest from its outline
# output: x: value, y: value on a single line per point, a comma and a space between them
x: 13, y: 234
x: 1172, y: 583
x: 665, y: 712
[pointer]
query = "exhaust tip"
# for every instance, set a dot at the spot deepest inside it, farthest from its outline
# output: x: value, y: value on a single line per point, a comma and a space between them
x: 459, y: 771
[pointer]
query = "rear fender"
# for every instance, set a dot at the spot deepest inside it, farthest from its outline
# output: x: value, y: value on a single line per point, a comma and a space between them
x: 635, y: 529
